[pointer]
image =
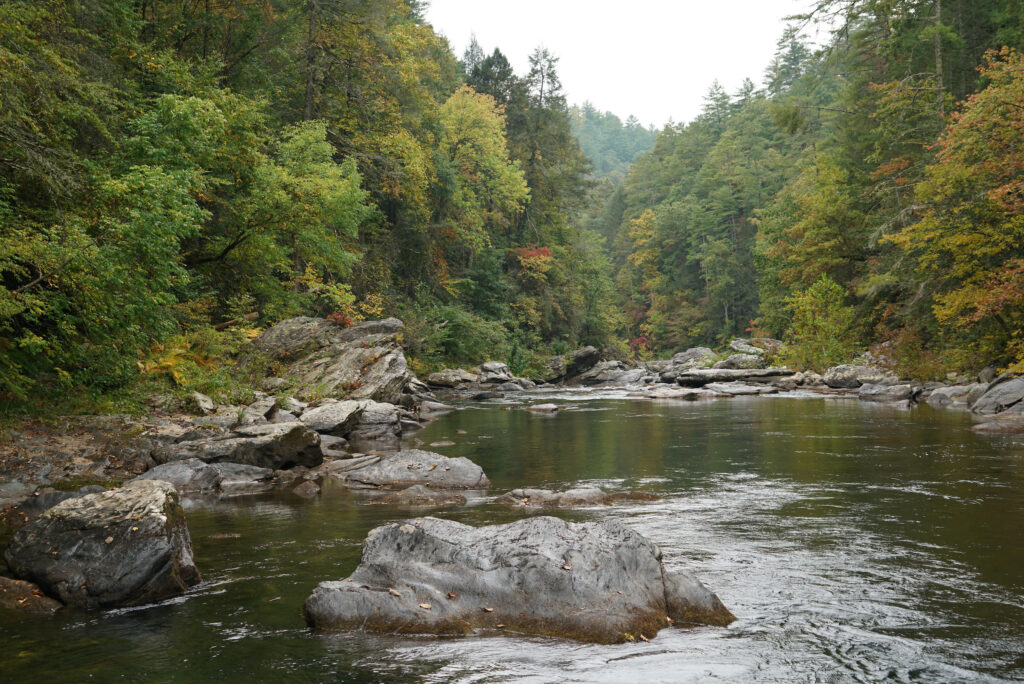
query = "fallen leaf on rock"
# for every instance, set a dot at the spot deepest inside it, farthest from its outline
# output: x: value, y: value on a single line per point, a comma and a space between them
x: 451, y: 594
x: 567, y: 566
x: 108, y: 540
x: 394, y: 592
x: 643, y: 638
x: 425, y: 606
x: 488, y: 610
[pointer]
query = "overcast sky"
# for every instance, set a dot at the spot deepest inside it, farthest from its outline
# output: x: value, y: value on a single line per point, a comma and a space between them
x: 654, y: 59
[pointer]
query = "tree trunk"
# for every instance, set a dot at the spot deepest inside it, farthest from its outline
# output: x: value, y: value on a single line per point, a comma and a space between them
x: 307, y: 113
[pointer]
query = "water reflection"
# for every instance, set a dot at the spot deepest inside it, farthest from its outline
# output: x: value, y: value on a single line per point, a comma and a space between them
x: 854, y: 542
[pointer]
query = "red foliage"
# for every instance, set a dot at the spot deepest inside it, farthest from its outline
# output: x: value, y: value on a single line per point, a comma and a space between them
x: 1005, y: 290
x: 339, y: 318
x: 642, y: 342
x: 533, y: 252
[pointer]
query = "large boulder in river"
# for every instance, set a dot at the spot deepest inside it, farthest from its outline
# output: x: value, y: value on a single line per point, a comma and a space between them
x: 362, y: 361
x: 272, y: 445
x: 416, y: 467
x: 582, y: 360
x: 122, y: 547
x: 193, y: 477
x: 1001, y: 396
x: 451, y: 377
x: 741, y: 361
x: 610, y: 373
x: 888, y: 393
x: 695, y: 357
x: 495, y: 372
x: 593, y: 581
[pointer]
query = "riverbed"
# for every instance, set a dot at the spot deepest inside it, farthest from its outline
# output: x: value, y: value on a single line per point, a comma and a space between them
x: 854, y: 542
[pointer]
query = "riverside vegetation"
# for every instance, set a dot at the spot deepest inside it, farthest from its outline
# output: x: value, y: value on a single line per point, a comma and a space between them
x: 175, y: 177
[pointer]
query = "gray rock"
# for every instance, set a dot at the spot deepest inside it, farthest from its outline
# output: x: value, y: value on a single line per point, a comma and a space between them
x: 848, y: 376
x: 433, y: 408
x: 543, y: 408
x: 274, y: 446
x: 1000, y: 396
x: 122, y: 547
x: 451, y: 377
x: 203, y: 402
x: 193, y: 477
x: 988, y: 374
x: 25, y: 597
x: 581, y: 361
x: 412, y: 467
x: 334, y: 418
x: 610, y: 373
x: 495, y: 372
x: 225, y: 417
x: 333, y: 446
x: 258, y: 411
x: 705, y: 376
x: 887, y: 393
x: 741, y: 361
x: 419, y: 496
x: 282, y: 416
x: 274, y: 384
x: 737, y: 389
x: 741, y: 346
x: 363, y: 361
x: 508, y: 387
x: 586, y: 496
x: 680, y: 393
x: 554, y: 369
x: 594, y: 581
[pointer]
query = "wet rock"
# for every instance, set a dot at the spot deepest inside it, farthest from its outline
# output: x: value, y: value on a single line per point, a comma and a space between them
x: 887, y: 393
x: 584, y: 496
x: 543, y: 408
x: 433, y: 408
x: 508, y: 387
x: 376, y: 421
x: 307, y: 490
x: 238, y: 479
x: 956, y: 395
x: 741, y: 361
x: 1000, y: 396
x: 418, y: 495
x: 610, y: 373
x: 848, y: 376
x: 554, y: 369
x: 451, y: 377
x: 705, y: 376
x: 274, y: 446
x: 333, y: 446
x: 122, y: 547
x: 25, y: 597
x: 412, y: 467
x: 595, y: 581
x: 484, y: 396
x: 363, y: 361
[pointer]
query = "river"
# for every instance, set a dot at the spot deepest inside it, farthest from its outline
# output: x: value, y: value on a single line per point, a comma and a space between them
x: 854, y: 542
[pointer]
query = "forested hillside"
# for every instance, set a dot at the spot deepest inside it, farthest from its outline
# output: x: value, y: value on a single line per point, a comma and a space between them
x: 884, y: 167
x: 175, y: 176
x: 166, y: 167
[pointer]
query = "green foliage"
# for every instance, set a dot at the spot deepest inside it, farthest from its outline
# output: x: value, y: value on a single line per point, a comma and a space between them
x: 822, y: 333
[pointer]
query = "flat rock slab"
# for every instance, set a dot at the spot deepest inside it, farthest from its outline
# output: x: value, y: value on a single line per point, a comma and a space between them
x: 122, y: 547
x: 272, y: 445
x: 706, y: 376
x: 420, y: 496
x: 415, y: 466
x: 738, y: 389
x: 193, y: 477
x: 595, y: 581
x: 1000, y: 396
x: 678, y: 393
x: 589, y: 496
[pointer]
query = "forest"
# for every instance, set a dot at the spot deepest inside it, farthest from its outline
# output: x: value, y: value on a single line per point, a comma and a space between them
x: 176, y: 175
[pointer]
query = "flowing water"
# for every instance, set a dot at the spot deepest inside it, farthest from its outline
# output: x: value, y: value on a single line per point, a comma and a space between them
x: 853, y: 542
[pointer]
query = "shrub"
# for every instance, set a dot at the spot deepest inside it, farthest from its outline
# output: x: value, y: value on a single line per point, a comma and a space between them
x: 822, y: 330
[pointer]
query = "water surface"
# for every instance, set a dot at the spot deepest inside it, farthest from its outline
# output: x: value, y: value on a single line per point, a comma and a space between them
x: 854, y: 543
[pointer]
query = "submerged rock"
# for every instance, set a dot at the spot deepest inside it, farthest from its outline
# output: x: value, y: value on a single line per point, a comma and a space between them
x: 595, y: 581
x: 412, y: 467
x: 418, y: 495
x: 588, y: 496
x: 122, y: 547
x: 25, y: 597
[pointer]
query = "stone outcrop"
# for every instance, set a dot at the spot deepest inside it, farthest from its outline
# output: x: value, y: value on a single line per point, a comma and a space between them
x: 362, y: 361
x: 741, y: 361
x: 849, y: 376
x: 193, y: 477
x: 693, y: 358
x: 272, y: 445
x: 581, y: 361
x: 122, y: 547
x: 25, y: 597
x: 415, y: 467
x: 705, y: 376
x: 595, y: 581
x: 1002, y: 395
x: 610, y: 373
x: 451, y: 378
x: 888, y: 393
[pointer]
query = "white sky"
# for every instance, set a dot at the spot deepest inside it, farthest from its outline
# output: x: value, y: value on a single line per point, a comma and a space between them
x: 654, y: 59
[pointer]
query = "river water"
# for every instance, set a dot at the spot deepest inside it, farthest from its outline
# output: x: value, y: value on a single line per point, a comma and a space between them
x: 854, y: 542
